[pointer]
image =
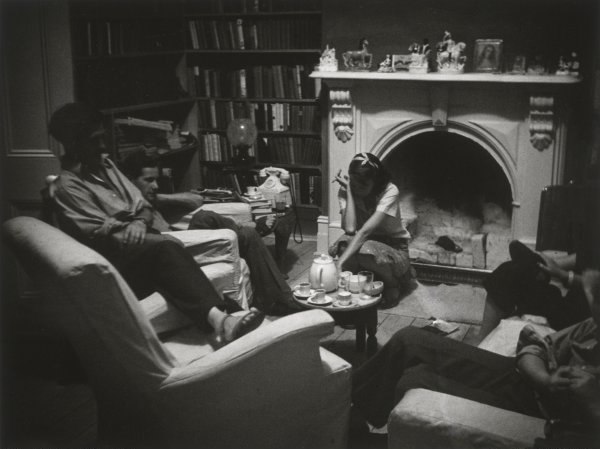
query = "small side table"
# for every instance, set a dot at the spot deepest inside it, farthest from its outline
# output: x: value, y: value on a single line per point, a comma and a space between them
x: 363, y: 315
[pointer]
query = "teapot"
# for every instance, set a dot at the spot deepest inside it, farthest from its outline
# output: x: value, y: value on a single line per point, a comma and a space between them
x: 323, y: 273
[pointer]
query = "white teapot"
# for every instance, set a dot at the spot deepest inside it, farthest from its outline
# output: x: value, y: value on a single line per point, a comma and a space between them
x: 323, y: 273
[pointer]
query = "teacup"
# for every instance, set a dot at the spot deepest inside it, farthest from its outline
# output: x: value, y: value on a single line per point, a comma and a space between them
x: 303, y: 289
x: 252, y: 190
x: 344, y: 298
x: 319, y: 296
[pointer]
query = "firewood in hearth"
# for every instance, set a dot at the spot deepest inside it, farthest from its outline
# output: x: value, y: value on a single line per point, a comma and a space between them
x: 448, y: 244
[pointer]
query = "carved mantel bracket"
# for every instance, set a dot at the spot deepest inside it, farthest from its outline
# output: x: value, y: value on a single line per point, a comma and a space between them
x: 541, y: 121
x: 438, y: 96
x: 341, y: 112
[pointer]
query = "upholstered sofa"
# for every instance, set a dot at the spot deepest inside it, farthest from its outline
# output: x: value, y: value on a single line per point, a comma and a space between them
x: 430, y: 420
x: 160, y: 382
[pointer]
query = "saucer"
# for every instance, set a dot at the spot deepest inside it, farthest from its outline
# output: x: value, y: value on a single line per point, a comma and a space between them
x: 327, y: 301
x: 337, y: 303
x: 299, y: 296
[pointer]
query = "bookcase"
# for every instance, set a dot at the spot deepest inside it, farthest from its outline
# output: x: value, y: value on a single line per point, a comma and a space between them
x: 197, y: 65
x: 251, y: 59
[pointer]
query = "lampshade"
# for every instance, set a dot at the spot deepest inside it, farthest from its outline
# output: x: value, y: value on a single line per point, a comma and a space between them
x: 241, y: 132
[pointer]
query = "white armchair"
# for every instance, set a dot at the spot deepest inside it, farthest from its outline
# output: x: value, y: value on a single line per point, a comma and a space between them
x: 426, y: 419
x: 273, y: 388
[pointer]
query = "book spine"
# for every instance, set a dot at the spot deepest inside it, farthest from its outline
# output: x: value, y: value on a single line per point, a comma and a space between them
x: 194, y: 34
x: 243, y: 84
x: 240, y: 34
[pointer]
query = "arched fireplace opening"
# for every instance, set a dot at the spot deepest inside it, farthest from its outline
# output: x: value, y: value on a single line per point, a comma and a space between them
x: 455, y: 190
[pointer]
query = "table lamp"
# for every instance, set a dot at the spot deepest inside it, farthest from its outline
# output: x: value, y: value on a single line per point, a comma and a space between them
x: 241, y: 133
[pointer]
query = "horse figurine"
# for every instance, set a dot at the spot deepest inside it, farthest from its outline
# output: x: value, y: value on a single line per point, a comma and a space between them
x: 358, y: 59
x: 450, y: 54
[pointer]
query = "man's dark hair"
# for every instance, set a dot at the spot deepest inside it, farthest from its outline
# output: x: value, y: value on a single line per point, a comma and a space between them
x: 133, y: 164
x: 73, y: 122
x: 71, y: 125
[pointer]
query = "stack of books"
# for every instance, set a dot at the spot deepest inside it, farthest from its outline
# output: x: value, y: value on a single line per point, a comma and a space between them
x: 259, y: 205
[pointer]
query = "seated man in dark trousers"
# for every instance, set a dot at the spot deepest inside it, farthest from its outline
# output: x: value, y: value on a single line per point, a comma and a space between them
x: 100, y: 207
x: 272, y: 293
x: 554, y: 377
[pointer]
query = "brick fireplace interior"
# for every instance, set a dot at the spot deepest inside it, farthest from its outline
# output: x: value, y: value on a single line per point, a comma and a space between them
x: 453, y: 189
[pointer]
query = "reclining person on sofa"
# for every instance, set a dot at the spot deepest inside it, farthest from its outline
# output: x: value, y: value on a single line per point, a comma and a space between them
x: 556, y: 377
x: 522, y: 286
x: 100, y: 207
x: 272, y: 293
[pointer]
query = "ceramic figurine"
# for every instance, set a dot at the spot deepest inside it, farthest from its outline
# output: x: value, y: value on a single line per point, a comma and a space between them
x: 537, y: 66
x: 419, y: 58
x: 574, y: 67
x: 450, y: 55
x: 386, y: 64
x: 328, y: 61
x: 358, y: 59
x: 563, y: 67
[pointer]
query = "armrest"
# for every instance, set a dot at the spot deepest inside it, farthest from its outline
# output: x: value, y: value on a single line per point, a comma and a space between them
x: 239, y: 212
x: 429, y: 420
x: 264, y: 389
x: 210, y: 246
x: 309, y: 326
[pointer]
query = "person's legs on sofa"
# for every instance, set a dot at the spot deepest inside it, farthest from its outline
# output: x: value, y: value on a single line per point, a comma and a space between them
x: 375, y: 382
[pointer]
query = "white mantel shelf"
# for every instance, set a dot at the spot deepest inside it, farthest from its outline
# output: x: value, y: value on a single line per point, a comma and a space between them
x: 442, y: 77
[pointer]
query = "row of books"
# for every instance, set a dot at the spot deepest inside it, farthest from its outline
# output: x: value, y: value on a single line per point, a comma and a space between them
x: 218, y: 179
x: 254, y: 34
x: 216, y: 148
x: 290, y: 150
x: 285, y: 117
x: 118, y: 37
x: 274, y: 81
x: 287, y: 150
x: 306, y: 188
x: 246, y: 6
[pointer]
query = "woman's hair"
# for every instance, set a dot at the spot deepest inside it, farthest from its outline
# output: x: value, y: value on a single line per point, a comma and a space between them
x: 369, y: 166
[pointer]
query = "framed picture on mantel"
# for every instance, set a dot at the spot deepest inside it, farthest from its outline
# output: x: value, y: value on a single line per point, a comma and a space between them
x: 488, y: 55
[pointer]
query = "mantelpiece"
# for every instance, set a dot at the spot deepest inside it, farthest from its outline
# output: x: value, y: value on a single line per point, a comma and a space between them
x: 441, y: 77
x: 520, y: 120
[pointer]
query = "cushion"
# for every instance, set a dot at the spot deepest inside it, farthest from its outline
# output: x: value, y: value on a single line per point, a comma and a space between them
x: 503, y: 339
x: 428, y: 419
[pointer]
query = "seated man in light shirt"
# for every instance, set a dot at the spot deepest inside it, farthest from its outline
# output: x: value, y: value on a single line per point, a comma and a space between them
x: 100, y: 207
x: 272, y: 294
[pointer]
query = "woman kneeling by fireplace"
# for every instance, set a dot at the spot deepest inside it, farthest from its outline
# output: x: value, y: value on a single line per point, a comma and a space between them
x: 375, y: 238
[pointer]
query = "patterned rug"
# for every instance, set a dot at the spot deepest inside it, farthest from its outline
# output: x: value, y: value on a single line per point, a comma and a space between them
x: 462, y: 303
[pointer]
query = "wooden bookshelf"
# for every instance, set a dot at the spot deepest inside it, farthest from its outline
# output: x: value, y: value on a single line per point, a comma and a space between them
x: 252, y: 59
x: 200, y: 64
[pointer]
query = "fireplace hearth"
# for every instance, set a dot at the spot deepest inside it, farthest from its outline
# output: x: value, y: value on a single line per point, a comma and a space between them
x: 471, y: 154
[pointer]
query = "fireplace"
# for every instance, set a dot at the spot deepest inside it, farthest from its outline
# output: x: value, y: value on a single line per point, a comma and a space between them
x: 471, y: 154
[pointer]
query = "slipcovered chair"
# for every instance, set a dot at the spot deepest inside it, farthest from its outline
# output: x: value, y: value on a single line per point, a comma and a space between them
x: 273, y: 388
x: 426, y: 419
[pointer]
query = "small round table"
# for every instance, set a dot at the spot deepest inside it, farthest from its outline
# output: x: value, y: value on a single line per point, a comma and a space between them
x: 362, y: 314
